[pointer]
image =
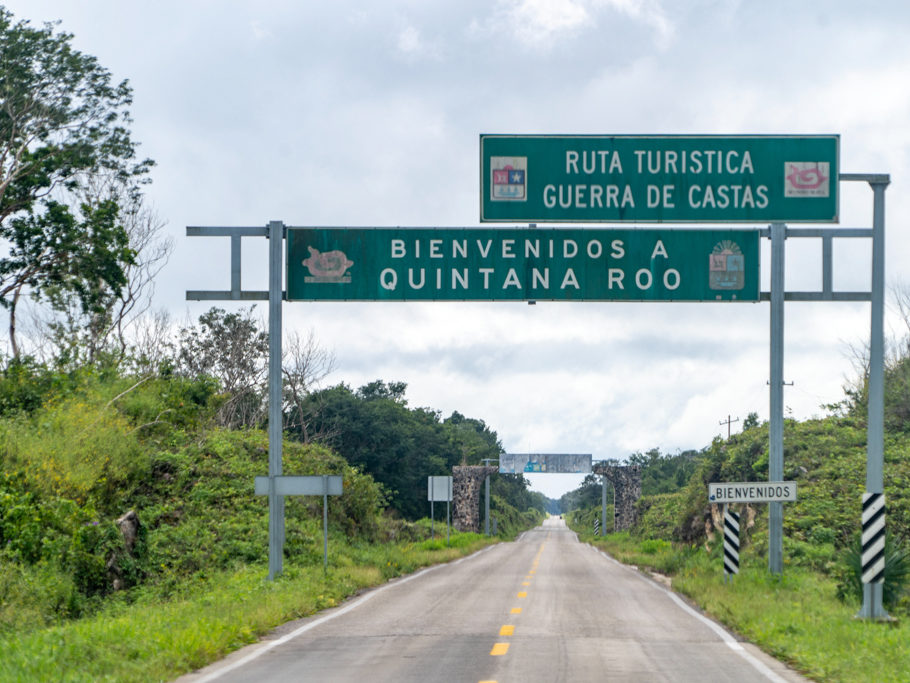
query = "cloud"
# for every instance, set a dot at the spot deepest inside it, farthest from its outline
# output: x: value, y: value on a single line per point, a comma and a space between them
x: 409, y: 40
x: 543, y: 24
x: 259, y: 31
x: 538, y: 22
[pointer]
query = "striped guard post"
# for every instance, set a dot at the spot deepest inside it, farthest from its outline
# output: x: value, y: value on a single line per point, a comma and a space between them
x: 731, y: 542
x: 596, y: 526
x: 873, y: 557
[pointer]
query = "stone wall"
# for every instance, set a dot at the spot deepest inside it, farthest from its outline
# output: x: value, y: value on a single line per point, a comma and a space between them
x: 467, y: 482
x: 626, y: 481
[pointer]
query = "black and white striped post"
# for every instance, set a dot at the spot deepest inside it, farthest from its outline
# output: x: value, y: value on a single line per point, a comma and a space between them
x: 596, y: 526
x: 873, y: 551
x: 731, y: 543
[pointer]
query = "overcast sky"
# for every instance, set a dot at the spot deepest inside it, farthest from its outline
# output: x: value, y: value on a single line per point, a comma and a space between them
x: 369, y: 113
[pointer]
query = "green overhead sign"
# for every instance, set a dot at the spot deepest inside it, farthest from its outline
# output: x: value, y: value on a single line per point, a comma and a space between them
x: 518, y: 264
x: 659, y: 179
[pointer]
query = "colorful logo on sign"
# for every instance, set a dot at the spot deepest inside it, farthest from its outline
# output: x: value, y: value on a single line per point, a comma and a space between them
x: 510, y: 179
x: 329, y: 266
x: 807, y: 178
x: 727, y: 267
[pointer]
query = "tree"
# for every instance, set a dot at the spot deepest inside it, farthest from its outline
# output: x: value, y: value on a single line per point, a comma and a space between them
x: 304, y: 367
x: 587, y: 495
x: 63, y: 125
x: 77, y: 335
x: 472, y: 438
x: 751, y: 421
x: 374, y: 429
x: 231, y: 348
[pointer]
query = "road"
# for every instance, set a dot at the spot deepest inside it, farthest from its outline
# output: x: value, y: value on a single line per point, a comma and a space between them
x: 544, y: 608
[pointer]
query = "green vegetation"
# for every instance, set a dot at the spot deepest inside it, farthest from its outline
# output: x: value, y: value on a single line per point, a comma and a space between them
x: 806, y: 616
x: 79, y: 594
x: 68, y: 176
x: 798, y: 618
x: 159, y: 632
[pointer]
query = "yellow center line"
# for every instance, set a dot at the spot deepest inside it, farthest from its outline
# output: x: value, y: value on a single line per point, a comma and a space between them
x: 516, y: 610
x: 499, y: 649
x: 507, y: 630
x: 525, y: 583
x: 523, y: 594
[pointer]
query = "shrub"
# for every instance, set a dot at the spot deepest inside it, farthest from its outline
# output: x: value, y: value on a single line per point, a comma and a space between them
x: 897, y: 573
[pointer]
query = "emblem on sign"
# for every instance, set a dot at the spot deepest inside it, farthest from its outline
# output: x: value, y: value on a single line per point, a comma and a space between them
x: 329, y: 266
x: 806, y: 178
x: 510, y: 179
x: 727, y: 267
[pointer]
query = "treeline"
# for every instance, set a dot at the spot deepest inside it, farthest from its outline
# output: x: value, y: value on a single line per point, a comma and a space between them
x: 222, y: 362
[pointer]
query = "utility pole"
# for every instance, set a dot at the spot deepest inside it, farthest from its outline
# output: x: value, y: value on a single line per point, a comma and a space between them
x: 728, y: 422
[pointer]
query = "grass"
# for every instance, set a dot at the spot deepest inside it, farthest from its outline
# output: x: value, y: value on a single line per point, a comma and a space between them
x: 796, y: 617
x: 145, y: 637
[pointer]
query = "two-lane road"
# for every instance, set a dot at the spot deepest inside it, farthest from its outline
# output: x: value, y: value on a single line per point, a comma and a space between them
x: 544, y: 608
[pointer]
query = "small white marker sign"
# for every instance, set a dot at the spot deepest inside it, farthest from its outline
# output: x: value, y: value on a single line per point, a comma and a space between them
x: 752, y: 492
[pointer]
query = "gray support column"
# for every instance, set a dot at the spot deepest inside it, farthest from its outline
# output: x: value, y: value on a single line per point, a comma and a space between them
x: 276, y: 502
x: 603, y: 506
x: 776, y: 422
x: 872, y: 592
x: 235, y: 266
x: 325, y: 522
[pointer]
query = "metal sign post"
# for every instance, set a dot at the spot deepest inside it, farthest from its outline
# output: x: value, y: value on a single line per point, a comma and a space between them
x: 276, y: 502
x: 731, y: 543
x: 875, y: 445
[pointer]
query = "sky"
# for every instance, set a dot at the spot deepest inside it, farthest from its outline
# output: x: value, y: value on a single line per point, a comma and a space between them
x: 368, y: 113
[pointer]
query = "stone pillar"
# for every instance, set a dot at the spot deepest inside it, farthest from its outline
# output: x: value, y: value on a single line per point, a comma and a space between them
x: 467, y: 482
x: 626, y: 481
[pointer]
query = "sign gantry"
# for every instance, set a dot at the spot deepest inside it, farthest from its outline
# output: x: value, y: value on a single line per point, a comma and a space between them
x: 595, y: 179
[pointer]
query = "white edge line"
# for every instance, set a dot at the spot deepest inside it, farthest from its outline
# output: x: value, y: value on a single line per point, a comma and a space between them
x: 725, y: 635
x: 328, y: 617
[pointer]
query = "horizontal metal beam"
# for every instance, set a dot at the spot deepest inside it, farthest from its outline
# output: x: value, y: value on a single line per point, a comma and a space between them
x: 226, y: 295
x: 820, y: 296
x: 216, y: 231
x: 821, y: 232
x: 874, y: 178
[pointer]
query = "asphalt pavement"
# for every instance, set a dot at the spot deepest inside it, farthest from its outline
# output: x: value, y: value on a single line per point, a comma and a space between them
x: 542, y: 608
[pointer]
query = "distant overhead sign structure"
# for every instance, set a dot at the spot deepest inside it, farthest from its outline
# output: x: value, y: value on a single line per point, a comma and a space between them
x: 656, y: 179
x: 553, y: 463
x: 517, y: 264
x: 752, y: 492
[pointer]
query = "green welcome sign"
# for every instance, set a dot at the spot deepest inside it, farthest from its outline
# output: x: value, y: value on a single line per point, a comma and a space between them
x: 659, y: 179
x: 518, y: 264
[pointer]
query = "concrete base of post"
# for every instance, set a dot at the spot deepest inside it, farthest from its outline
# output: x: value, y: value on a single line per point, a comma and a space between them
x: 872, y: 603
